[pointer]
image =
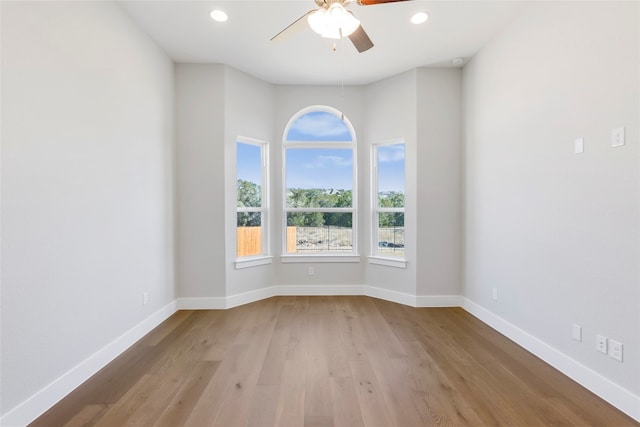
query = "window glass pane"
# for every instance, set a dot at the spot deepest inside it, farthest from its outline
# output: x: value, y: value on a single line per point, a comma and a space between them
x: 319, y: 232
x: 318, y: 126
x: 319, y: 177
x: 249, y: 234
x: 391, y: 234
x: 391, y: 176
x: 249, y: 170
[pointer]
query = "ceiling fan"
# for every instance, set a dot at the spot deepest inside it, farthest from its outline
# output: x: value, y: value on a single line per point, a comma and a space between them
x: 333, y: 20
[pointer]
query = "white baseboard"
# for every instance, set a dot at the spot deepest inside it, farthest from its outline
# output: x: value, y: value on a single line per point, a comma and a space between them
x: 316, y: 290
x: 439, y: 301
x: 205, y: 303
x: 618, y: 396
x: 43, y: 400
x: 388, y: 295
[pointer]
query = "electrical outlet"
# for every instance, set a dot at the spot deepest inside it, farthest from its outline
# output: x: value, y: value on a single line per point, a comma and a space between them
x: 615, y: 350
x: 145, y: 298
x: 601, y: 344
x: 311, y: 271
x: 617, y: 137
x: 494, y: 294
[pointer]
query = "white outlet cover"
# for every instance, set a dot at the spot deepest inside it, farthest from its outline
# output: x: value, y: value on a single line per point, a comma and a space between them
x: 617, y: 137
x: 601, y: 344
x: 615, y: 350
x: 578, y: 146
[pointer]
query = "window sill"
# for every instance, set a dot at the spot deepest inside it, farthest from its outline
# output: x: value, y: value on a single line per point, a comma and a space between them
x: 389, y: 262
x: 253, y: 262
x: 319, y: 258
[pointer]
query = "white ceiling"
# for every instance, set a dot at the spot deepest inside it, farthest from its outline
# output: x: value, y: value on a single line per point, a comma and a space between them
x: 184, y: 30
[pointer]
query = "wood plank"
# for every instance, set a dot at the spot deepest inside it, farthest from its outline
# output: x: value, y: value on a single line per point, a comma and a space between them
x: 371, y: 401
x: 346, y: 409
x: 264, y: 405
x: 181, y: 405
x: 290, y: 411
x: 88, y: 416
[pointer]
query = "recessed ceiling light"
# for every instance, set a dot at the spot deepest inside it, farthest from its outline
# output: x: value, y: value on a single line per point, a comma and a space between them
x: 419, y: 18
x: 218, y: 15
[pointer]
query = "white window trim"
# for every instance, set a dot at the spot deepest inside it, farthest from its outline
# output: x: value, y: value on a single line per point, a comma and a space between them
x: 376, y: 257
x: 399, y: 262
x: 265, y: 257
x: 248, y: 262
x: 352, y: 145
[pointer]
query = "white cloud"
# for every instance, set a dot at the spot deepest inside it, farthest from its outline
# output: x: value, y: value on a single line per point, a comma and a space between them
x: 391, y: 153
x: 329, y: 162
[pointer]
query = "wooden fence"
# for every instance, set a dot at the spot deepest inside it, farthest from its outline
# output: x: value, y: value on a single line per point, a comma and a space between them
x: 249, y: 241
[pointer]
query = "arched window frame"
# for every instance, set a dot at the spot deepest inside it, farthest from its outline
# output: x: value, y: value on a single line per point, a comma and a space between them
x: 351, y: 256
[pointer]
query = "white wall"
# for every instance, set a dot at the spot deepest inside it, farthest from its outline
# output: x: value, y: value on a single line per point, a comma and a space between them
x: 249, y: 112
x: 391, y: 113
x: 87, y: 186
x: 558, y: 233
x: 439, y: 176
x: 200, y: 125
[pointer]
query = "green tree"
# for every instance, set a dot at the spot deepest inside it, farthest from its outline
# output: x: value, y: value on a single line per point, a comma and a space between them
x: 249, y: 196
x: 391, y: 200
x: 305, y: 219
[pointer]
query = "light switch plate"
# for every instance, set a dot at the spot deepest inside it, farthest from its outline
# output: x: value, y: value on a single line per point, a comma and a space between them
x: 578, y: 146
x: 576, y: 333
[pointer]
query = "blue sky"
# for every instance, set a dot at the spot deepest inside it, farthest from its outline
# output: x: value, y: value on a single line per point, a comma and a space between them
x: 319, y: 168
x: 249, y: 159
x: 319, y: 126
x: 324, y: 168
x: 391, y: 167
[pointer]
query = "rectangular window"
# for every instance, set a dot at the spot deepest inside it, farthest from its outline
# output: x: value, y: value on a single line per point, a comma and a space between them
x: 388, y: 199
x: 252, y: 197
x: 319, y: 200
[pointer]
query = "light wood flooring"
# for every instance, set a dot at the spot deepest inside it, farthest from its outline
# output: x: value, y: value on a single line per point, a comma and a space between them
x: 329, y: 361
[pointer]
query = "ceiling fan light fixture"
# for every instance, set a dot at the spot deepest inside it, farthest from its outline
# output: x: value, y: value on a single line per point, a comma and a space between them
x: 333, y: 23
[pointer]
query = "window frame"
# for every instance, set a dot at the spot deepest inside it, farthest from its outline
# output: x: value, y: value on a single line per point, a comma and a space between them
x: 352, y: 145
x: 265, y: 256
x: 375, y: 256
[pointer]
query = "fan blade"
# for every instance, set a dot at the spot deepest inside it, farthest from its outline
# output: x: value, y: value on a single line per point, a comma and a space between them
x: 372, y: 2
x: 294, y: 28
x: 361, y: 40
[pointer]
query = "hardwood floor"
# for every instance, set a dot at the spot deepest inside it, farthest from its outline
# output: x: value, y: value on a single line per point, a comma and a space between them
x: 329, y: 361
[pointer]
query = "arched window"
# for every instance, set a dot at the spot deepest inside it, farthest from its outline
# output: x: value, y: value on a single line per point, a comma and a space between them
x: 320, y: 200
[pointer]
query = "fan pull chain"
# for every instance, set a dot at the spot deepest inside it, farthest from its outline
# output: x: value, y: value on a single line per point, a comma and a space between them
x: 341, y: 64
